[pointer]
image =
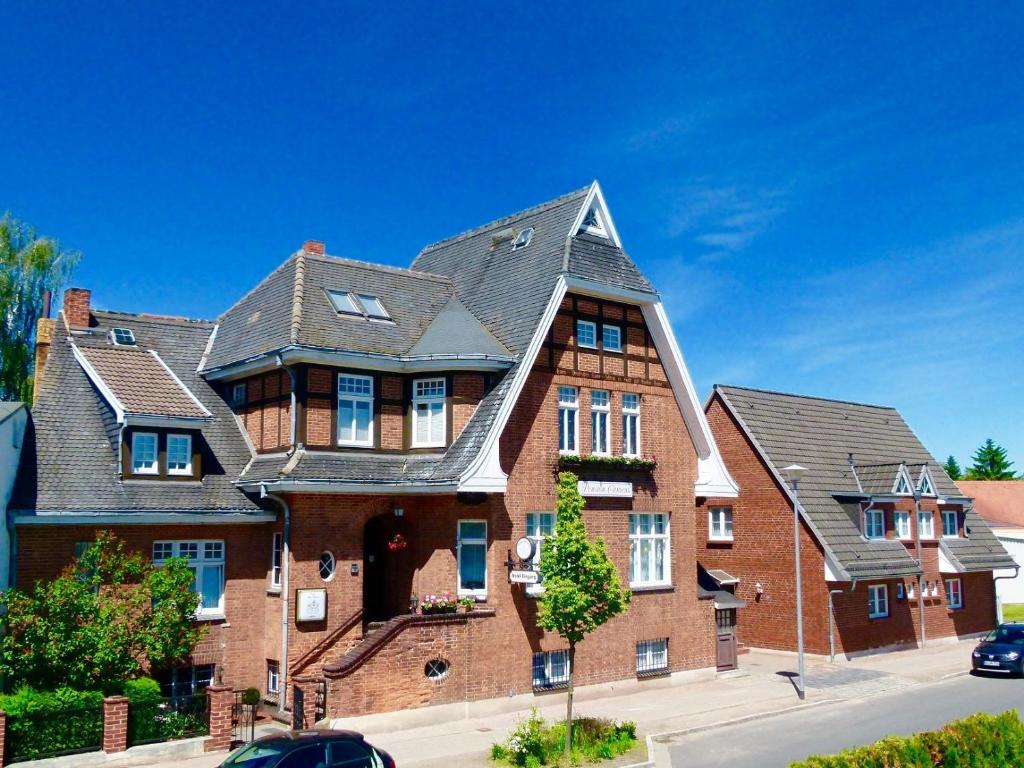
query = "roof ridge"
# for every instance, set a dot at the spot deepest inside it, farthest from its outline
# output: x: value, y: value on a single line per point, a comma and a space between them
x: 298, y: 292
x: 258, y: 285
x: 506, y: 219
x: 359, y: 263
x: 806, y: 397
x: 152, y: 316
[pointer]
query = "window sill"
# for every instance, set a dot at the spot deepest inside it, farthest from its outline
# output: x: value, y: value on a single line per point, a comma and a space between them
x: 720, y: 540
x: 211, y: 617
x: 878, y: 618
x: 479, y: 597
x: 275, y: 591
x: 652, y: 588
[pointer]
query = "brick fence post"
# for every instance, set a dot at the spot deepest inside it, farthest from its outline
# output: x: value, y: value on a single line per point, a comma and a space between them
x: 3, y: 736
x: 221, y: 700
x: 115, y: 724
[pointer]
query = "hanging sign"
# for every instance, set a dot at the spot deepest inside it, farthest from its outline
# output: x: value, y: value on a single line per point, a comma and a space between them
x: 523, y: 577
x: 605, y: 488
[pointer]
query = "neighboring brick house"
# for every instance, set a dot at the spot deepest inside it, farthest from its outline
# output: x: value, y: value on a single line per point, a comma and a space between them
x: 351, y: 438
x: 861, y: 541
x: 1000, y: 503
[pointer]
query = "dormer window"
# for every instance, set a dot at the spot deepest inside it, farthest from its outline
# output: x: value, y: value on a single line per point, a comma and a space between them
x: 523, y: 239
x: 902, y: 487
x: 161, y: 456
x: 428, y: 401
x: 593, y: 223
x: 924, y: 484
x: 144, y: 453
x: 361, y: 304
x: 238, y: 394
x: 874, y: 524
x: 123, y: 337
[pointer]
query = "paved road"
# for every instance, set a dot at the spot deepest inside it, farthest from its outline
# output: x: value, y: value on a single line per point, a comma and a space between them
x: 774, y: 742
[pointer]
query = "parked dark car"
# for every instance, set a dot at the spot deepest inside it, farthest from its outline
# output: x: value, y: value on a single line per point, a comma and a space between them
x: 310, y: 749
x: 1002, y: 650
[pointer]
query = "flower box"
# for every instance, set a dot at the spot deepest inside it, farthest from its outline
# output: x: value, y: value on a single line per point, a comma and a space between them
x: 432, y: 605
x: 608, y: 462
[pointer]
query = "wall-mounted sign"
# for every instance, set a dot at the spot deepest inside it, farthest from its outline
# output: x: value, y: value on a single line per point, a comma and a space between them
x: 312, y: 604
x: 523, y: 577
x: 607, y: 488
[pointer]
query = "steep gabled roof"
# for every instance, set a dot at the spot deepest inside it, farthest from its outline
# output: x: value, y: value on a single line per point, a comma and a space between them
x: 821, y: 435
x: 999, y: 502
x: 71, y: 464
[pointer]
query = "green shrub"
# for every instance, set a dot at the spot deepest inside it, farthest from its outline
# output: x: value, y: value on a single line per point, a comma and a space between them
x: 534, y: 743
x: 978, y: 741
x: 45, y: 722
x: 144, y: 702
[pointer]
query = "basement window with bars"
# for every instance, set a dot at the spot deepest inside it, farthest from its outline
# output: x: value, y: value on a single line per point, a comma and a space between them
x: 550, y: 670
x: 652, y: 657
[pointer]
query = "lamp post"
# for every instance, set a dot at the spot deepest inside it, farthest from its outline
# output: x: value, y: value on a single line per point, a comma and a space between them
x: 794, y: 473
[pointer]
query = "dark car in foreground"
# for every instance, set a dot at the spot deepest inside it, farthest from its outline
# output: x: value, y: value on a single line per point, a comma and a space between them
x: 310, y: 749
x: 1002, y: 650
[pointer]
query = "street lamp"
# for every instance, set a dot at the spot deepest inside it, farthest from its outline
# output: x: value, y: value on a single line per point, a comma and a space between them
x: 794, y: 474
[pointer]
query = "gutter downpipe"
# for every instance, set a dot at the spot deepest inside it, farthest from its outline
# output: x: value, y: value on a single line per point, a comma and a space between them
x: 999, y: 602
x: 282, y: 697
x: 920, y: 564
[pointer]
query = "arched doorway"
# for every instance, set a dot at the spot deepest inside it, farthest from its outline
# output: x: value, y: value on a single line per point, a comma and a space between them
x: 387, y: 568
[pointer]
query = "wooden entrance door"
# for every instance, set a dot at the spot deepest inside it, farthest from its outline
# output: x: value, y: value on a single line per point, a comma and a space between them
x: 726, y: 621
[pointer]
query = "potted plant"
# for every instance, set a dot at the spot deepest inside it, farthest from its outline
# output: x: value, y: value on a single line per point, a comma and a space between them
x: 466, y: 604
x: 434, y: 604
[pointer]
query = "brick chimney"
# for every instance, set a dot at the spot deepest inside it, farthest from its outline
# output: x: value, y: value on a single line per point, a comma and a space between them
x: 76, y: 307
x: 313, y: 246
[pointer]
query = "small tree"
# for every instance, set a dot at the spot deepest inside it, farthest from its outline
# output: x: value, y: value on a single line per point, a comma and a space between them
x: 581, y: 583
x: 110, y: 616
x: 990, y: 463
x: 29, y: 266
x: 952, y: 467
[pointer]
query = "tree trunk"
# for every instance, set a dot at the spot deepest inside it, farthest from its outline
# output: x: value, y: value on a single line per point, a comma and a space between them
x: 568, y: 701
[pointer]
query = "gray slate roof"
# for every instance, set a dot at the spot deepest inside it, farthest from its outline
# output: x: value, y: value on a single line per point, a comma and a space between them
x: 820, y: 435
x: 71, y: 465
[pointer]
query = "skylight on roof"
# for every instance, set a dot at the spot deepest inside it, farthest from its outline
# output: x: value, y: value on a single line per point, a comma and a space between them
x: 364, y: 304
x: 523, y: 239
x: 123, y: 337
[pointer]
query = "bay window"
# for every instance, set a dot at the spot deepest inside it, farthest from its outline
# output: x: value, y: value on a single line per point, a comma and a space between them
x: 428, y: 413
x: 649, y: 556
x: 355, y: 410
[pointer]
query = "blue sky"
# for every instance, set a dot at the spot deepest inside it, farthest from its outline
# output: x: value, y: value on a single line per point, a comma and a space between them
x: 829, y: 198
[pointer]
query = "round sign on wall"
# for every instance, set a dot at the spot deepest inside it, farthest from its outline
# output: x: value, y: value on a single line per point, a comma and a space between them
x: 524, y: 549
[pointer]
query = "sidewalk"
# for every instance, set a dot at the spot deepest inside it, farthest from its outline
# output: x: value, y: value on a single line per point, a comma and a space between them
x: 763, y: 685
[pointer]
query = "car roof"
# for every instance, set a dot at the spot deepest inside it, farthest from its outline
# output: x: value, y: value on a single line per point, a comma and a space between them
x: 311, y: 735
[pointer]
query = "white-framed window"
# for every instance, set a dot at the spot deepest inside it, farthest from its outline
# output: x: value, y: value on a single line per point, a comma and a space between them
x: 878, y: 601
x: 630, y: 424
x: 428, y: 413
x: 343, y: 302
x: 720, y: 523
x: 902, y: 486
x: 924, y: 483
x: 899, y: 590
x: 933, y: 588
x: 954, y: 593
x: 568, y: 420
x: 373, y: 307
x: 611, y: 338
x: 550, y: 669
x: 472, y: 558
x: 539, y: 525
x: 651, y: 656
x: 649, y: 555
x: 950, y: 524
x: 911, y: 591
x: 276, y: 555
x: 925, y: 524
x: 179, y: 454
x: 586, y: 334
x: 355, y: 410
x: 327, y: 565
x: 593, y: 223
x: 600, y: 422
x: 273, y: 678
x: 238, y: 394
x: 145, y: 456
x: 902, y: 520
x: 123, y: 337
x: 874, y: 524
x: 206, y: 561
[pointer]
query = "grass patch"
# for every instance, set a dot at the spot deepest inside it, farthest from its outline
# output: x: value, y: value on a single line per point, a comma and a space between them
x: 534, y: 742
x: 1013, y: 612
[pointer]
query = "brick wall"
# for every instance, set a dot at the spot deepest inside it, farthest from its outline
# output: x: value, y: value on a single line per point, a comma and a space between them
x: 76, y: 307
x: 762, y: 552
x: 267, y: 412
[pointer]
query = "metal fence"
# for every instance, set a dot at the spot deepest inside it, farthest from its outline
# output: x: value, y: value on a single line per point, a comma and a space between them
x: 164, y: 719
x: 243, y: 719
x: 50, y: 733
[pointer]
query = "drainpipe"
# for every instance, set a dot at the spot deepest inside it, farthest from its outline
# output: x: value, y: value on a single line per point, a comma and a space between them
x: 920, y: 563
x: 282, y: 696
x: 999, y: 603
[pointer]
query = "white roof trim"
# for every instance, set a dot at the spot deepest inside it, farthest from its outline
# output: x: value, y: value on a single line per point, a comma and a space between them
x: 946, y: 564
x: 99, y: 383
x: 181, y: 384
x: 905, y: 474
x: 596, y: 197
x: 207, y: 349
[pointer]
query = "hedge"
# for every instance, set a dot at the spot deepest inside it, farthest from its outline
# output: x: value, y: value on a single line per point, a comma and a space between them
x: 41, y: 723
x: 978, y: 741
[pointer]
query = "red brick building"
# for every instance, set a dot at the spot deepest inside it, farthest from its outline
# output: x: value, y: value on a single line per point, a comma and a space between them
x: 351, y: 439
x: 886, y: 537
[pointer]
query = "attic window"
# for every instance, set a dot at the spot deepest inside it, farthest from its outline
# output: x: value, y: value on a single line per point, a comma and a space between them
x: 925, y: 484
x: 902, y: 486
x: 593, y: 223
x: 344, y: 302
x: 373, y: 307
x: 523, y: 239
x: 123, y: 337
x: 364, y: 304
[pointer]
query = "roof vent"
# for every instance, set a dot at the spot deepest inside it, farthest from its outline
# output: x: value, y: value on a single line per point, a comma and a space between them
x: 502, y: 236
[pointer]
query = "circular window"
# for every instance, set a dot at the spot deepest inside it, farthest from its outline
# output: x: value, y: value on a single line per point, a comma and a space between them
x: 326, y: 566
x: 436, y: 669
